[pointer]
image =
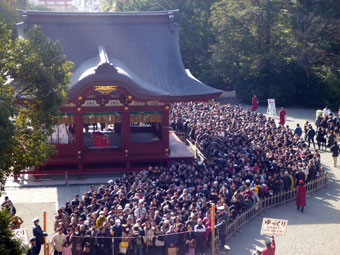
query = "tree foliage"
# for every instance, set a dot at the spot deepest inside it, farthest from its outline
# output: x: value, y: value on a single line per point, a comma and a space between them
x: 288, y: 50
x: 196, y: 35
x: 33, y: 85
x: 8, y: 244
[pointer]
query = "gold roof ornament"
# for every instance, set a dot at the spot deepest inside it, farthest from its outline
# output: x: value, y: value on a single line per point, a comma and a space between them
x: 105, y: 90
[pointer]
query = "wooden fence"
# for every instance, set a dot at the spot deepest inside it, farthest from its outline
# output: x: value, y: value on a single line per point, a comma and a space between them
x: 273, y: 201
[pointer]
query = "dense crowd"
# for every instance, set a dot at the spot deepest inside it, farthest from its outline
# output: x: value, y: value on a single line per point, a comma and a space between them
x: 168, y: 211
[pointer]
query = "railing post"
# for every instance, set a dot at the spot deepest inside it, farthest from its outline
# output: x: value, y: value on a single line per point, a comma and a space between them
x: 66, y: 178
x: 45, y: 227
x: 213, y: 229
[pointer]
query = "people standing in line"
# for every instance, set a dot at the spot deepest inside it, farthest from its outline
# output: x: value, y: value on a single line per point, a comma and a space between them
x: 298, y: 131
x: 190, y: 238
x: 320, y: 138
x: 34, y: 249
x: 301, y: 196
x: 335, y: 153
x: 199, y: 231
x: 67, y: 248
x: 282, y: 116
x: 310, y: 135
x: 254, y: 103
x: 305, y: 128
x: 326, y: 112
x: 57, y: 241
x: 270, y: 247
x: 331, y: 139
x: 39, y: 234
x: 171, y: 240
x: 222, y: 221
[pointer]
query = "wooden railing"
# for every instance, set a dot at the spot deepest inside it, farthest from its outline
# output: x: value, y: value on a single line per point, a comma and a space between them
x: 193, y: 148
x: 272, y: 201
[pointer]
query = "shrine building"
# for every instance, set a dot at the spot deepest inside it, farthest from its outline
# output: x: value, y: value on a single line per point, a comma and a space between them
x: 127, y: 72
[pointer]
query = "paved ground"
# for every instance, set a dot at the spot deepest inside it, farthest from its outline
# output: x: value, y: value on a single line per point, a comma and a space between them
x: 316, y: 231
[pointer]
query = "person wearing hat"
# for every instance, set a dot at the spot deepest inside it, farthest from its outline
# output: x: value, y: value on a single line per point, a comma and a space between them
x: 118, y: 232
x: 270, y: 247
x: 39, y: 234
x: 301, y: 196
x: 34, y: 249
x: 222, y: 221
x: 57, y: 241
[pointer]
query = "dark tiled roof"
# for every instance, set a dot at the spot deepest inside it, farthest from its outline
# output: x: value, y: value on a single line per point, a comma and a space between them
x: 138, y: 51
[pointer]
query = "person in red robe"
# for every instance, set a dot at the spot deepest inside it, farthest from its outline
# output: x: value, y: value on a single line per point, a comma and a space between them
x: 254, y: 103
x: 301, y: 196
x: 270, y: 248
x: 282, y: 116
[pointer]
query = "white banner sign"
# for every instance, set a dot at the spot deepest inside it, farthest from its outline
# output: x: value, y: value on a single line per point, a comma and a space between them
x: 274, y: 227
x: 271, y: 110
x: 21, y: 234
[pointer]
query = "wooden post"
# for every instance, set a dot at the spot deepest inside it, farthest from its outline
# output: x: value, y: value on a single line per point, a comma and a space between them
x: 44, y: 227
x: 213, y: 229
x: 66, y: 178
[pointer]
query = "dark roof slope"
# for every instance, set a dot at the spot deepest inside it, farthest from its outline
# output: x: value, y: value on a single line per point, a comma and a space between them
x: 142, y: 48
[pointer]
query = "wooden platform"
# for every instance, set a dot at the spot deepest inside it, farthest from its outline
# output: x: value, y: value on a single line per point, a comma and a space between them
x: 179, y: 151
x: 99, y: 160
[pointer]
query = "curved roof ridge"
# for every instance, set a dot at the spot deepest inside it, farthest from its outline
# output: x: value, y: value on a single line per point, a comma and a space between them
x: 101, y: 14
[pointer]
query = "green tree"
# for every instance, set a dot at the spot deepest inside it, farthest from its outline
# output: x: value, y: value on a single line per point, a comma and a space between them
x: 9, y: 13
x: 316, y: 32
x: 8, y: 245
x: 33, y: 85
x: 253, y: 50
x: 196, y: 36
x: 288, y: 50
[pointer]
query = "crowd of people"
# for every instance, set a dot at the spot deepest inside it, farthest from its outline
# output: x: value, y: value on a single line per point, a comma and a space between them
x: 327, y: 132
x: 168, y: 211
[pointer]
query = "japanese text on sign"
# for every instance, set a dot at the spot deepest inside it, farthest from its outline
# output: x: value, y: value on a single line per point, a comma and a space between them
x: 21, y: 234
x: 274, y: 227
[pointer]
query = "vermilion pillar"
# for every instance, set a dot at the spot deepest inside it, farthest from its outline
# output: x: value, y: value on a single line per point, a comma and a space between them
x: 165, y: 127
x: 78, y: 126
x: 125, y: 129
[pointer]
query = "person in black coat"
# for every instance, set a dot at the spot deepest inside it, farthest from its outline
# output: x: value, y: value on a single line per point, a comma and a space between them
x: 335, y: 153
x: 100, y: 241
x: 39, y: 234
x: 34, y: 248
x: 310, y: 135
x: 118, y: 231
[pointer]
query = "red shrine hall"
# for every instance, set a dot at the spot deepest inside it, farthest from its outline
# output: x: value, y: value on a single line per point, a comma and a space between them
x: 127, y: 72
